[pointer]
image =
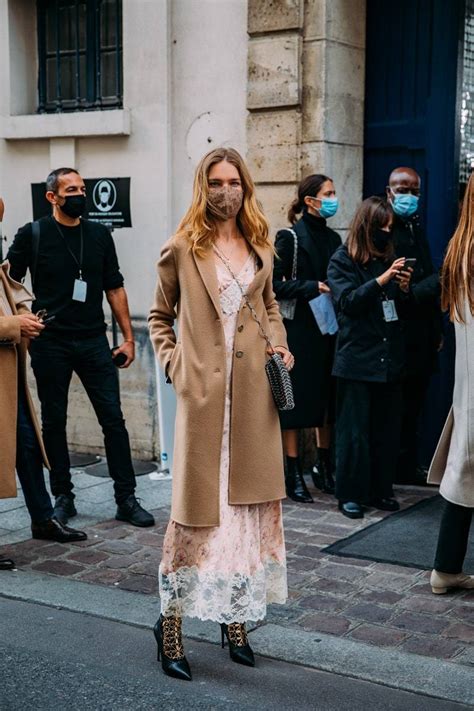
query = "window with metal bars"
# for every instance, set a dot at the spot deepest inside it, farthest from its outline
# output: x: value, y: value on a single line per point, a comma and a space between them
x: 79, y: 55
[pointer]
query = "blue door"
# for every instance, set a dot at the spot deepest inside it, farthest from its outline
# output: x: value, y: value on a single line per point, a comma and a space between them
x: 414, y: 60
x: 412, y: 113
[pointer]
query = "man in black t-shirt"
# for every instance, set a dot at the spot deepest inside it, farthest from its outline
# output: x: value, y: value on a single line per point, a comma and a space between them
x: 74, y: 264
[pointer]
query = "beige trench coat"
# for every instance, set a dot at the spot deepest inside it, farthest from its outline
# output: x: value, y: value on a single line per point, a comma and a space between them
x: 453, y: 463
x: 12, y: 357
x: 195, y: 363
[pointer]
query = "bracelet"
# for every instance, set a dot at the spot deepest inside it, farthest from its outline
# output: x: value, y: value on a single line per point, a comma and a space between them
x: 128, y: 340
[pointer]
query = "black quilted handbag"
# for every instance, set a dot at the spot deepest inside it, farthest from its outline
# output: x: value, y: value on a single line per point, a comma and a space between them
x: 277, y: 373
x: 280, y: 382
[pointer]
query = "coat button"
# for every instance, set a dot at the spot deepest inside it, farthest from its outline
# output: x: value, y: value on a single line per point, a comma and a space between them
x: 382, y: 360
x: 240, y: 328
x: 384, y: 340
x: 239, y: 354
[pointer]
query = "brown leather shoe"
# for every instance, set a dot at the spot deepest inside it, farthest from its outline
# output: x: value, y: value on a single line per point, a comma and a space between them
x: 53, y: 530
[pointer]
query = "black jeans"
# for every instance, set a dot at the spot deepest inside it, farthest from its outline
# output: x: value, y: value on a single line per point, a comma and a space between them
x: 414, y: 391
x: 453, y: 538
x: 29, y: 463
x: 54, y: 358
x: 368, y: 421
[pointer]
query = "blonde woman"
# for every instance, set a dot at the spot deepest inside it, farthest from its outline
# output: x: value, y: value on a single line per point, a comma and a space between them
x: 223, y: 553
x: 453, y: 463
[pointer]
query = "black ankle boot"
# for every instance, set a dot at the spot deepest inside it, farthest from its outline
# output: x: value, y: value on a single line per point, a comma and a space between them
x: 167, y: 631
x: 294, y: 482
x: 322, y: 472
x: 239, y: 648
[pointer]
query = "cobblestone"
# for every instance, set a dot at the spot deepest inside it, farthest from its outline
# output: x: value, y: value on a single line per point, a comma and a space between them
x: 389, y: 606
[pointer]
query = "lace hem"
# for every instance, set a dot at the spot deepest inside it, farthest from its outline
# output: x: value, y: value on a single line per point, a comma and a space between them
x: 236, y: 597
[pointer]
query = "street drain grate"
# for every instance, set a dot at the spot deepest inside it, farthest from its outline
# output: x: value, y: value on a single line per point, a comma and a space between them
x: 101, y: 469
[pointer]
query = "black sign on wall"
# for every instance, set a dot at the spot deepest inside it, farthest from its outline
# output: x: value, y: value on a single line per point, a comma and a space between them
x: 108, y: 201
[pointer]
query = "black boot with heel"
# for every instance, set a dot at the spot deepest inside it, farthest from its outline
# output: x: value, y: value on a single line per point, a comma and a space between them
x: 168, y: 637
x: 239, y: 647
x: 322, y: 472
x: 294, y: 482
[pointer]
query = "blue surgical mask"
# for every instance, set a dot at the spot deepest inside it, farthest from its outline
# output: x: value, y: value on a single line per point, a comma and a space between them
x: 404, y: 205
x: 328, y: 207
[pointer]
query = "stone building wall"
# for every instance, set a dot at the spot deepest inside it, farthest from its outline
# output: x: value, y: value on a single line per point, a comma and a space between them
x: 306, y: 99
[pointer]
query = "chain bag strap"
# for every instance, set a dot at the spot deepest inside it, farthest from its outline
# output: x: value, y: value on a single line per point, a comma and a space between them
x: 288, y: 306
x: 277, y: 373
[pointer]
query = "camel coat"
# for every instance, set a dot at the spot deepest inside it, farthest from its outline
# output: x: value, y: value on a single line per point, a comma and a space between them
x: 195, y: 362
x: 12, y: 357
x: 453, y: 463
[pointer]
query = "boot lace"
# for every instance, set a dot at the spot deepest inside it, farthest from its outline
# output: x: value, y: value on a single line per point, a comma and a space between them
x: 172, y: 638
x: 237, y: 634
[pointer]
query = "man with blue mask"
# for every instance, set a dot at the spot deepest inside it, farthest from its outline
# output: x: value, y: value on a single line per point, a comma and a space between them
x: 423, y: 332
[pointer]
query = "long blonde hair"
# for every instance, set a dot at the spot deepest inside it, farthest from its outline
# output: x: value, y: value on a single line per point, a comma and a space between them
x: 458, y: 267
x: 199, y: 226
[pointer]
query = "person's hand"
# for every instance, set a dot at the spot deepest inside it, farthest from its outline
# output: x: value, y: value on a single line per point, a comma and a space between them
x: 30, y: 325
x: 323, y: 288
x: 127, y: 347
x: 392, y: 272
x: 287, y: 357
x: 2, y: 209
x: 403, y: 278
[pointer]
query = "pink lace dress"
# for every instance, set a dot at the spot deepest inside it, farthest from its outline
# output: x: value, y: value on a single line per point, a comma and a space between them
x: 226, y: 573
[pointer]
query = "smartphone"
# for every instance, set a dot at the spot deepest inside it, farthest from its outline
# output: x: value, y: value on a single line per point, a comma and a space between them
x: 410, y: 262
x: 119, y: 359
x: 47, y: 320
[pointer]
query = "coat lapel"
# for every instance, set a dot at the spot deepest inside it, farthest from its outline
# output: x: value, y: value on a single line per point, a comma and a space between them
x: 207, y: 270
x: 260, y: 276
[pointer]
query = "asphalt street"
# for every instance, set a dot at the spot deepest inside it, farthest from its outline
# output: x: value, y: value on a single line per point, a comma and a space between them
x: 55, y: 659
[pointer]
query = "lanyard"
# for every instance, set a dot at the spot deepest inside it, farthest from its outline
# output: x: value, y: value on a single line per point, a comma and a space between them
x: 81, y: 256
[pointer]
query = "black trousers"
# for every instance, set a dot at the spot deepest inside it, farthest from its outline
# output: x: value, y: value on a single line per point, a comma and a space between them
x: 54, y: 359
x: 29, y: 463
x: 368, y: 421
x: 453, y: 538
x: 414, y: 391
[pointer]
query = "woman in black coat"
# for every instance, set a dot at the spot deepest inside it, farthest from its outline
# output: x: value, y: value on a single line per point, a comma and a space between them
x: 311, y: 375
x: 371, y: 293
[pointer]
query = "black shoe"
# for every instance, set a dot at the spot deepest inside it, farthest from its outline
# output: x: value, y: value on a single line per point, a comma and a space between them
x: 351, y: 509
x: 7, y: 564
x: 294, y: 482
x: 54, y: 530
x: 239, y: 649
x: 322, y: 472
x: 64, y: 508
x: 167, y: 631
x: 131, y: 511
x: 385, y: 504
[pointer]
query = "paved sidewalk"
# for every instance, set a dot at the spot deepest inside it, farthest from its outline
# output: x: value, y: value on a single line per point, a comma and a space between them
x: 388, y: 606
x: 347, y: 616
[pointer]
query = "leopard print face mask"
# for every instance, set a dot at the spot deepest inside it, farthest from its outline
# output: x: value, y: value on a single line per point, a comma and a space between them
x: 225, y: 202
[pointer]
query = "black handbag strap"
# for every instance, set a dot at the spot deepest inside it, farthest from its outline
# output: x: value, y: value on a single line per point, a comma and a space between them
x: 35, y: 242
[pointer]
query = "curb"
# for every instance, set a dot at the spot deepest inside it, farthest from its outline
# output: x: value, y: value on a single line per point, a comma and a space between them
x: 399, y: 670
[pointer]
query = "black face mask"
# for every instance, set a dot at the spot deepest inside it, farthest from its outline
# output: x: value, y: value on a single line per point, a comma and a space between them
x: 381, y: 240
x: 74, y: 205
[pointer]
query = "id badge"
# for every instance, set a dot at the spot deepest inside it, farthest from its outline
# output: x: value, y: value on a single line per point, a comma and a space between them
x: 389, y: 310
x: 80, y: 290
